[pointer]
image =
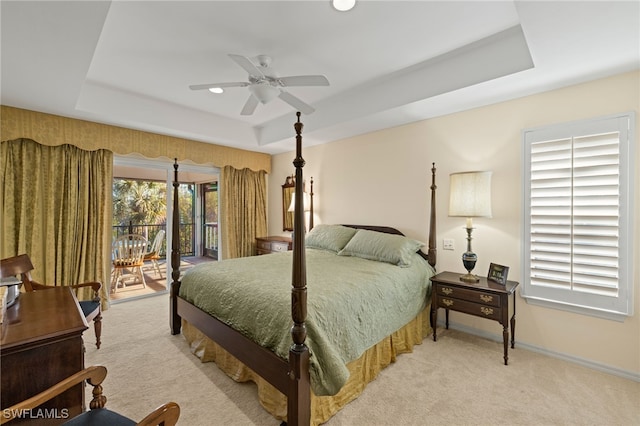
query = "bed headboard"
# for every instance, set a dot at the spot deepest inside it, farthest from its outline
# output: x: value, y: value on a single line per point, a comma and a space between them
x: 385, y: 229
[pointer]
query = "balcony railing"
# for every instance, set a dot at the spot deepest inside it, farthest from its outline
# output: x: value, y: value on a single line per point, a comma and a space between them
x: 211, y: 239
x: 187, y: 236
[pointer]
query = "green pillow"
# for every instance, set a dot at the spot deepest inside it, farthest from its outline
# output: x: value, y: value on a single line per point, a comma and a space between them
x: 372, y: 245
x: 329, y: 237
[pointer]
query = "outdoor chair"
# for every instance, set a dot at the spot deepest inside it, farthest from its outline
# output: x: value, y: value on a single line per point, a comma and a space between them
x: 128, y: 259
x: 21, y: 265
x: 153, y: 254
x: 167, y: 414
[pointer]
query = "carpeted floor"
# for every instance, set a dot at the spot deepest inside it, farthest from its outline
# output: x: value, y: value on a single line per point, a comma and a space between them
x: 458, y: 380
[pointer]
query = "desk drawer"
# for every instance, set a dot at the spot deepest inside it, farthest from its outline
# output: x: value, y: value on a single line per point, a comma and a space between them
x: 470, y: 295
x: 476, y: 309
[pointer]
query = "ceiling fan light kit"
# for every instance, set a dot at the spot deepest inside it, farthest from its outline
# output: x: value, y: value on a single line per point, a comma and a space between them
x: 264, y: 92
x: 264, y: 84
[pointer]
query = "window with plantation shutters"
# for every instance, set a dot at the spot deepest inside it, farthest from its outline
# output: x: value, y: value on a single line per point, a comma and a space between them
x: 577, y: 216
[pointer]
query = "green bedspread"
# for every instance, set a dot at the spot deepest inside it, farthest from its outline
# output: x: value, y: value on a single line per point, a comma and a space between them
x: 353, y: 304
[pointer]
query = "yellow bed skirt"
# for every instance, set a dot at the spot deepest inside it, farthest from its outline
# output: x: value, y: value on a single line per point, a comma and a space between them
x: 363, y: 370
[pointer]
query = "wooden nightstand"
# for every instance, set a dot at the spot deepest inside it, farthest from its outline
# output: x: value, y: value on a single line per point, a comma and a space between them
x: 485, y: 299
x: 266, y: 245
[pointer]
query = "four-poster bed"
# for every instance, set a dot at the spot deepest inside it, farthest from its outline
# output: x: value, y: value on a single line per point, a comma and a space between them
x: 316, y: 363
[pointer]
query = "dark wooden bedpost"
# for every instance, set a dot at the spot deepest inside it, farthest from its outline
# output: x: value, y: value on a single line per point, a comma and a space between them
x: 432, y: 222
x: 299, y: 398
x: 311, y: 206
x: 174, y: 318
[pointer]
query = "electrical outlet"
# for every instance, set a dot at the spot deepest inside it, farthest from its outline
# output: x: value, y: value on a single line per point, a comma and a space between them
x: 447, y: 244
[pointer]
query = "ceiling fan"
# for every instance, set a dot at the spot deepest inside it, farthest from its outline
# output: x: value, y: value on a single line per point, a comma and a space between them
x: 265, y: 85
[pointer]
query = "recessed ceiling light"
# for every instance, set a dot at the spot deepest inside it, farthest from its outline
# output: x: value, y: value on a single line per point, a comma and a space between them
x: 343, y: 5
x: 216, y: 90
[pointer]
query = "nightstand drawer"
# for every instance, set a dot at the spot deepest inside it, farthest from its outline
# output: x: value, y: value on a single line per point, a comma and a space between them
x: 470, y: 295
x: 471, y: 308
x: 264, y: 245
x: 277, y: 246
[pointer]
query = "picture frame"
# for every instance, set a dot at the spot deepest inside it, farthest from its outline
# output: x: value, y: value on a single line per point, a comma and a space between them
x: 498, y: 273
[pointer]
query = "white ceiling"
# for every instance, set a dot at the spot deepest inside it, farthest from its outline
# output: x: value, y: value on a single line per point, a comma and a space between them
x: 389, y: 62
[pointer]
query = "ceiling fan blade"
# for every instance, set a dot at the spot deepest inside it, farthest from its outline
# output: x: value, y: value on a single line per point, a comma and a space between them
x: 304, y: 80
x: 249, y: 106
x: 221, y: 85
x: 246, y: 64
x: 296, y: 103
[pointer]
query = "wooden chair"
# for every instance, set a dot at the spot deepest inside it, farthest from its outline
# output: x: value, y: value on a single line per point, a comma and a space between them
x: 128, y: 255
x: 166, y: 415
x: 21, y: 265
x: 154, y: 252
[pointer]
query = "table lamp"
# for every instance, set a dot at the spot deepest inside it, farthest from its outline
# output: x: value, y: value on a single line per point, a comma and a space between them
x: 470, y: 196
x: 307, y: 201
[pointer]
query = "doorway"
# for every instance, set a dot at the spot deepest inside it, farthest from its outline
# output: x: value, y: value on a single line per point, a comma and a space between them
x: 198, y: 217
x: 210, y: 219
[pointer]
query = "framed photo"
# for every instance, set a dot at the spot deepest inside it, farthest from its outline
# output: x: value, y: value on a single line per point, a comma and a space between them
x: 498, y: 273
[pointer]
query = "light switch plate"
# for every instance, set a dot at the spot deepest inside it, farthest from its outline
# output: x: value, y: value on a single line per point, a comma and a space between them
x: 447, y: 244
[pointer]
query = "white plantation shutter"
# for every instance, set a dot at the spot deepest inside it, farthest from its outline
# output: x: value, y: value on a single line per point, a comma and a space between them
x: 577, y: 212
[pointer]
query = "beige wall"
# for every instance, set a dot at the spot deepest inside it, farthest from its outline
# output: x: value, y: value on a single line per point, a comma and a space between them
x: 383, y: 178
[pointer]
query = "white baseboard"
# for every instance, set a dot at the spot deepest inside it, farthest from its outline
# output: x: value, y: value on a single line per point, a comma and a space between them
x: 577, y: 360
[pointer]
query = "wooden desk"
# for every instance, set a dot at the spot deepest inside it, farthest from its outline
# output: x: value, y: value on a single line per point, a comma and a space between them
x: 41, y: 345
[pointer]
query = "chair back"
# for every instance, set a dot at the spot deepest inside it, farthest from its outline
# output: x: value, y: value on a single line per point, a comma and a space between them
x: 157, y: 243
x: 128, y: 250
x: 18, y: 265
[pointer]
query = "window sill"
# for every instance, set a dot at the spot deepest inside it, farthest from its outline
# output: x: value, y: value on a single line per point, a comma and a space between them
x: 576, y: 309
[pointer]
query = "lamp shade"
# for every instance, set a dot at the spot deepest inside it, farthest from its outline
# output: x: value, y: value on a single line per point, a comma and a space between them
x: 470, y: 194
x: 306, y: 201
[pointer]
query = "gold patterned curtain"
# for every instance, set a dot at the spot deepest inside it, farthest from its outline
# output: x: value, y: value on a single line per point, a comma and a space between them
x: 243, y: 210
x: 56, y: 207
x: 55, y: 130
